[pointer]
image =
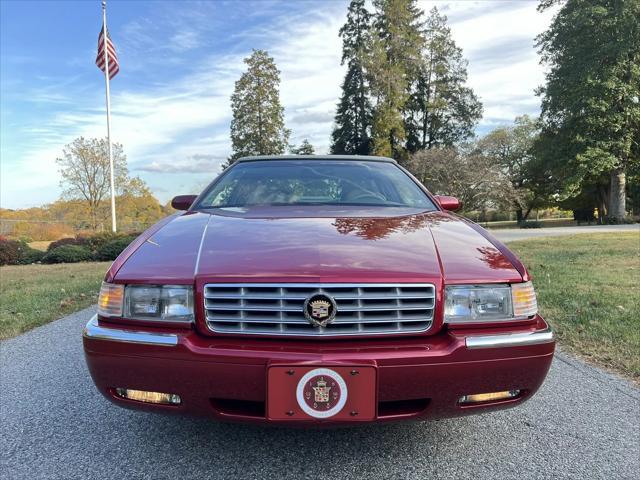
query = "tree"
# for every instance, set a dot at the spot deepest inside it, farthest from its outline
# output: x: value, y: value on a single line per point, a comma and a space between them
x: 441, y: 110
x: 591, y: 99
x: 136, y: 206
x: 477, y: 180
x: 257, y: 126
x: 396, y: 47
x: 634, y: 189
x: 85, y: 172
x: 305, y: 148
x: 352, y: 131
x: 512, y: 149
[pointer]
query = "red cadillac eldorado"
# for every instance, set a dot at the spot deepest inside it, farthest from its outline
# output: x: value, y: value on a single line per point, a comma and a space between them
x: 316, y: 290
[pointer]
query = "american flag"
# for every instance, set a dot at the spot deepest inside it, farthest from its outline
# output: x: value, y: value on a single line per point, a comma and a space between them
x: 114, y: 67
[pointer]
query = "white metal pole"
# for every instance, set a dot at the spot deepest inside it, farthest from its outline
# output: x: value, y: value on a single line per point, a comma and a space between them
x: 106, y: 78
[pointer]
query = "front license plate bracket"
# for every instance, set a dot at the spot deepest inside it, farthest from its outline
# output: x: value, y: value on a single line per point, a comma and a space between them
x: 321, y: 393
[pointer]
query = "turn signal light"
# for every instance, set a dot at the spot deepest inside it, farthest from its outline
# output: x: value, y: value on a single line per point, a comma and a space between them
x: 524, y: 299
x: 489, y: 397
x: 110, y: 300
x: 149, y: 397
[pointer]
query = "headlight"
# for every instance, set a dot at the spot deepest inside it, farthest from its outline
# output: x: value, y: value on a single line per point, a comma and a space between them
x: 486, y: 303
x: 168, y: 302
x: 172, y: 303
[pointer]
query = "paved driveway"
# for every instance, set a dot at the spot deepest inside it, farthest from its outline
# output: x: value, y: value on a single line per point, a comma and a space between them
x: 583, y: 423
x: 508, y: 235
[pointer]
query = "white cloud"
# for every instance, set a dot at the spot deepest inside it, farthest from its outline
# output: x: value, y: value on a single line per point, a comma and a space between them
x: 196, y: 163
x: 185, y: 40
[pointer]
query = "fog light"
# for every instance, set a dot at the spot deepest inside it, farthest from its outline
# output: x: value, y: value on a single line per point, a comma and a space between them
x: 149, y: 397
x: 489, y: 397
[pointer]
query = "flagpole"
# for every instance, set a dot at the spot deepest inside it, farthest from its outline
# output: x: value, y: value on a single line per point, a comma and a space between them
x: 108, y: 94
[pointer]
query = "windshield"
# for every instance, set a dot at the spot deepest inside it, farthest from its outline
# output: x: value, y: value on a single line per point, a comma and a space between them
x: 315, y: 182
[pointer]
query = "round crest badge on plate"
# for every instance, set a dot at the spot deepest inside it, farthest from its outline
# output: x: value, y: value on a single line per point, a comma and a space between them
x: 321, y: 393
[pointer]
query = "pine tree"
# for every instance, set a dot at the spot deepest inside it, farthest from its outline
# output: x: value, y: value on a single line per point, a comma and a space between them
x: 590, y: 102
x: 396, y: 46
x: 442, y: 110
x: 305, y: 148
x: 257, y: 127
x: 351, y: 133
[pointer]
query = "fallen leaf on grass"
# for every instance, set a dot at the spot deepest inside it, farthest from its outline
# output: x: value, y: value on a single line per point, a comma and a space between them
x: 67, y: 302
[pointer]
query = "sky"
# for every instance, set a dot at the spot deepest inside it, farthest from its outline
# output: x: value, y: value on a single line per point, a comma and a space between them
x: 178, y: 64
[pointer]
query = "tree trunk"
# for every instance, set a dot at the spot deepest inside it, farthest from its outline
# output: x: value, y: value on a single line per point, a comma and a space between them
x: 603, y: 198
x: 93, y: 211
x: 617, y: 195
x: 602, y: 209
x: 519, y: 216
x: 526, y: 214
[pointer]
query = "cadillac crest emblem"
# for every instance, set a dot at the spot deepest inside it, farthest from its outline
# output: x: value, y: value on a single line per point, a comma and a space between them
x: 320, y: 310
x: 321, y: 393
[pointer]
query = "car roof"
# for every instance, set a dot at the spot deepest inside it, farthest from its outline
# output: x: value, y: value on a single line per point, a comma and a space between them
x: 360, y: 158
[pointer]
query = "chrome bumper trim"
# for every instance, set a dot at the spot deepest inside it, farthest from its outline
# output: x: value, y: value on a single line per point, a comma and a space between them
x: 96, y: 332
x: 511, y: 339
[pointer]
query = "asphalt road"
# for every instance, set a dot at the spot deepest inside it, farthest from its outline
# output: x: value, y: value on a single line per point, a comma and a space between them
x: 584, y: 423
x: 510, y: 234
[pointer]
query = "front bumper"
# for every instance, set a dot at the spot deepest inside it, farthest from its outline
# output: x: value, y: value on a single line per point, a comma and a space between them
x: 226, y: 378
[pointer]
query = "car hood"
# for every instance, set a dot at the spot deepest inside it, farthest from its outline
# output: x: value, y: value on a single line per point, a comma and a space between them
x: 346, y: 246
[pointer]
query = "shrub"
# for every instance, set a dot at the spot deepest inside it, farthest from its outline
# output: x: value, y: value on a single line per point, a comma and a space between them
x: 82, y: 241
x: 9, y: 251
x: 101, y: 246
x: 110, y: 250
x: 98, y: 240
x: 531, y: 224
x: 67, y: 254
x: 28, y: 255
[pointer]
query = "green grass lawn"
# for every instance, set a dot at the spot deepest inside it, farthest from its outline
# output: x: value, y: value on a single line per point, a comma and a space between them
x: 545, y: 222
x: 32, y: 295
x: 588, y: 288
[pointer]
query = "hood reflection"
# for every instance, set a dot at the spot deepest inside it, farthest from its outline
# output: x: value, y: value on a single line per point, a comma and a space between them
x: 379, y: 228
x: 494, y: 258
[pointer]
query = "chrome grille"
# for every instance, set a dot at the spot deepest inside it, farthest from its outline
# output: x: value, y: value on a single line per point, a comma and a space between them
x: 277, y: 308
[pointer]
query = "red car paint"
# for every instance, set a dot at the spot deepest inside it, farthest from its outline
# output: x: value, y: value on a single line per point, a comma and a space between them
x: 225, y: 376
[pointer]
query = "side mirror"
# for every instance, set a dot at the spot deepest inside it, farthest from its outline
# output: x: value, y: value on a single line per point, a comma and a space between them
x: 183, y: 202
x: 448, y: 203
